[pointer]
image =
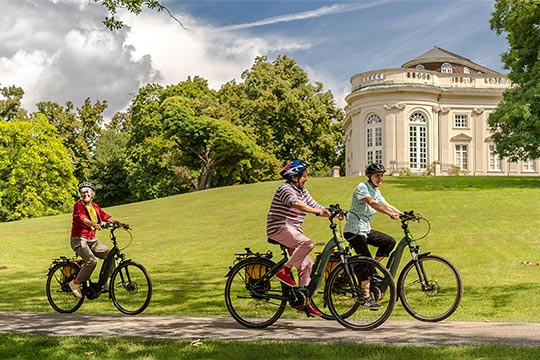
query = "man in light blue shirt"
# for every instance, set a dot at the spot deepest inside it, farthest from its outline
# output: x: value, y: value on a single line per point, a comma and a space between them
x: 367, y: 200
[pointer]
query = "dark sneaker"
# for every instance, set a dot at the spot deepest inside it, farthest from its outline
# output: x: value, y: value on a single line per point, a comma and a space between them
x: 284, y: 275
x: 310, y: 311
x: 369, y: 303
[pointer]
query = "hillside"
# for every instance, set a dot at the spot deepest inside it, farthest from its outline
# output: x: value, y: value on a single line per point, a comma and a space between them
x: 487, y: 226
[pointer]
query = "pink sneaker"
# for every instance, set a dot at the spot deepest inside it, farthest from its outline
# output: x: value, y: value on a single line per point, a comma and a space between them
x: 311, y: 311
x: 284, y: 275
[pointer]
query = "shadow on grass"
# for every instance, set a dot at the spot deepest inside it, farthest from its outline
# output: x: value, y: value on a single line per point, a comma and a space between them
x: 460, y: 183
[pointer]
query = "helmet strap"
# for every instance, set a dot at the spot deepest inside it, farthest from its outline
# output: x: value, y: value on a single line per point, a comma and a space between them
x: 371, y: 182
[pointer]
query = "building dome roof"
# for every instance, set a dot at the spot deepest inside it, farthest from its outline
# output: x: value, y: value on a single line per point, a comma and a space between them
x: 434, y: 58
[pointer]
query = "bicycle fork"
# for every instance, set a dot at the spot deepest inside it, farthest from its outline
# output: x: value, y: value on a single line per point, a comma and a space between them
x: 356, y: 288
x: 422, y: 276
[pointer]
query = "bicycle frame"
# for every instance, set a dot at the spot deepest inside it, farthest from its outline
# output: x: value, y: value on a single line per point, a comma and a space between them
x: 406, y: 242
x: 318, y: 268
x: 93, y: 288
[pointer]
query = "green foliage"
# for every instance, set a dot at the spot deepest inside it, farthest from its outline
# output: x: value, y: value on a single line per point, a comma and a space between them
x: 188, y: 137
x: 79, y: 130
x: 151, y: 162
x: 10, y: 106
x: 215, y: 146
x: 36, y: 175
x: 133, y: 6
x: 516, y: 122
x: 108, y: 170
x: 289, y: 116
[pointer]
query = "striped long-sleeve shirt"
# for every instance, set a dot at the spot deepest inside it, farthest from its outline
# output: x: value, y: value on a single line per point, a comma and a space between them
x: 281, y: 210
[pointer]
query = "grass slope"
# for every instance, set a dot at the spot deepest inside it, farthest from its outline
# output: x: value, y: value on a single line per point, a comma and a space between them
x: 487, y: 226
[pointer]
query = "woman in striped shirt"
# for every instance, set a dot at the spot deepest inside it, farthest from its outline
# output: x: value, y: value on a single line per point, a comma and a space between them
x: 288, y: 210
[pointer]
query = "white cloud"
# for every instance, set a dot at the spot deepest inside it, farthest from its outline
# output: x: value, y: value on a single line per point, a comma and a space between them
x: 322, y: 11
x: 215, y: 54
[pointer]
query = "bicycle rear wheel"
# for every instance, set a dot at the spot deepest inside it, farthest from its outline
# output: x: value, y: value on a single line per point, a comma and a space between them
x: 252, y: 300
x: 344, y: 293
x: 430, y: 289
x: 130, y: 288
x: 59, y: 293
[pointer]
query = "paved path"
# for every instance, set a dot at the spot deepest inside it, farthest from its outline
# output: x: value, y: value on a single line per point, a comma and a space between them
x: 391, y: 332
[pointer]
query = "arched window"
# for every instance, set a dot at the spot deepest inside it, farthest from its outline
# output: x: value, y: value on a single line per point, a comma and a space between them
x: 374, y: 139
x: 446, y: 68
x: 418, y: 142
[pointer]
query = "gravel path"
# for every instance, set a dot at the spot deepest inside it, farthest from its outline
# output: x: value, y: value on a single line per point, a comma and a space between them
x: 309, y: 330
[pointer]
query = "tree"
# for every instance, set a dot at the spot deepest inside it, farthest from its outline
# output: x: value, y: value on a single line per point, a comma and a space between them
x: 289, y: 116
x: 150, y: 156
x: 212, y: 146
x: 78, y: 128
x: 133, y: 6
x: 36, y: 174
x: 10, y: 106
x: 108, y: 170
x: 515, y: 123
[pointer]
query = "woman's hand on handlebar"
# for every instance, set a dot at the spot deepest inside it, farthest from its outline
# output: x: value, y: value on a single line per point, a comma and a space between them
x: 323, y: 212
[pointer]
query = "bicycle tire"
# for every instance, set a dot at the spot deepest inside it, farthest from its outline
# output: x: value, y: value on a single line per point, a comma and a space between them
x: 249, y: 304
x: 59, y: 293
x: 130, y: 288
x: 343, y: 294
x: 443, y: 295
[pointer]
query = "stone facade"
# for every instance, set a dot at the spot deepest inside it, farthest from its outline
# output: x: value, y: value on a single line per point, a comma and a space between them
x: 429, y: 116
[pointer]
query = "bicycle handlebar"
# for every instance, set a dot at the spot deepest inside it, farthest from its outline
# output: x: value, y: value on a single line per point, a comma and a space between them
x: 409, y: 216
x: 115, y: 225
x: 336, y: 210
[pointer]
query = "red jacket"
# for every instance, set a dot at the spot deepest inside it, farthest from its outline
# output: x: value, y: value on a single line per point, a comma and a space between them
x: 78, y: 228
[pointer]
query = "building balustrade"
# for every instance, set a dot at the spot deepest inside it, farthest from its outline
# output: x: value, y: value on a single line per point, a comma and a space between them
x: 425, y: 77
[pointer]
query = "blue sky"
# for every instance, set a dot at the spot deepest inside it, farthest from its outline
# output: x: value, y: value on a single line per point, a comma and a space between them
x: 58, y: 50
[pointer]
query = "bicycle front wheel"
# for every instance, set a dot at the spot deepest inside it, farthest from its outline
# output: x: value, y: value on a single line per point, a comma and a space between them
x: 59, y: 293
x: 130, y: 288
x: 252, y: 299
x: 430, y: 288
x: 345, y: 295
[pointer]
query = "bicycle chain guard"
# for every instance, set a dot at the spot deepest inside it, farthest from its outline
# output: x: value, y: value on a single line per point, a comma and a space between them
x: 91, y: 291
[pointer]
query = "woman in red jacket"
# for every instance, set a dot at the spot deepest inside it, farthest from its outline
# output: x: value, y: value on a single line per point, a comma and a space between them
x: 87, y: 219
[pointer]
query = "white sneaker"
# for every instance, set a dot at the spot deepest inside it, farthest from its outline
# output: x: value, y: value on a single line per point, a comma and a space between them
x: 75, y: 289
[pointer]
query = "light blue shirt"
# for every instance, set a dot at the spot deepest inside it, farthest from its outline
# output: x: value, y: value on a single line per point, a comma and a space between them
x: 360, y: 213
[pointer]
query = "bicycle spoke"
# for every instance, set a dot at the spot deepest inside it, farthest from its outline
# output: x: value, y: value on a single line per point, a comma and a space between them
x: 58, y: 291
x: 130, y: 288
x: 346, y: 297
x: 437, y: 296
x: 253, y: 302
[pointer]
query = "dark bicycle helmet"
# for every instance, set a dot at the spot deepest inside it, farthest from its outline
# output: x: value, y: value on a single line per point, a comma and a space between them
x: 374, y: 168
x: 294, y: 168
x: 86, y: 184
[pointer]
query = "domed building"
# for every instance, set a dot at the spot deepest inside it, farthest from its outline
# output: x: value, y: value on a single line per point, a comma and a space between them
x: 427, y: 117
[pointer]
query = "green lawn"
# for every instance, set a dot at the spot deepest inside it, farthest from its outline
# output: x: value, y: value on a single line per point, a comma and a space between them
x: 487, y: 226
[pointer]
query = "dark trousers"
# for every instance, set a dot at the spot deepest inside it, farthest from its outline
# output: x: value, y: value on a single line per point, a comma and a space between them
x: 383, y: 242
